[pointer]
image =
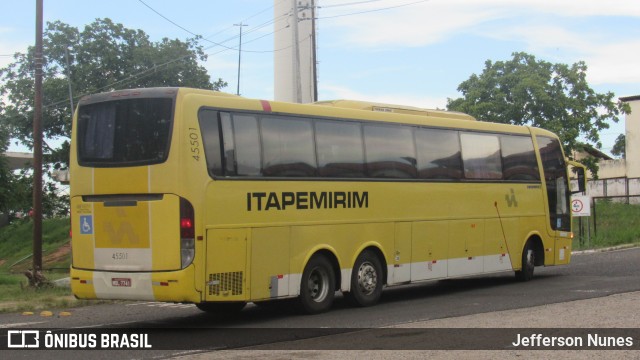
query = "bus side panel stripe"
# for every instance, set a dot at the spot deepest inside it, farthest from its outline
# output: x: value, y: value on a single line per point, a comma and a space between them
x: 266, y: 106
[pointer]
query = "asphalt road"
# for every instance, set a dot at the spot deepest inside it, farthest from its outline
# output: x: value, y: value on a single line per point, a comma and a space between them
x: 590, y: 275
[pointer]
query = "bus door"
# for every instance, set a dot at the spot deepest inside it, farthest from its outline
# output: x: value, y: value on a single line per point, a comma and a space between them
x: 558, y: 198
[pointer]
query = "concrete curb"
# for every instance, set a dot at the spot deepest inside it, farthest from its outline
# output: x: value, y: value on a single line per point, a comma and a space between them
x: 612, y: 248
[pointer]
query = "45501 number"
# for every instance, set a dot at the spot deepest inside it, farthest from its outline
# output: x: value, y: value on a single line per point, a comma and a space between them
x: 120, y: 256
x: 194, y: 141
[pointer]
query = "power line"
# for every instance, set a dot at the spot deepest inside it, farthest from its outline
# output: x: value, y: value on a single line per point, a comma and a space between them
x: 242, y: 21
x: 147, y: 72
x: 348, y: 4
x: 221, y: 44
x: 373, y: 10
x: 166, y: 18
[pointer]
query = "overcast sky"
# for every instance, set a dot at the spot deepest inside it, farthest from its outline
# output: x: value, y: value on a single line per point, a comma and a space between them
x: 395, y: 51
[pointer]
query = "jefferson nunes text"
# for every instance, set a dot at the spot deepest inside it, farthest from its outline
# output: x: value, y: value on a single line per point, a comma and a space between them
x: 303, y: 200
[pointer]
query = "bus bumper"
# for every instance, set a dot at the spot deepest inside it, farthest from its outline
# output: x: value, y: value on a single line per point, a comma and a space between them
x: 170, y: 286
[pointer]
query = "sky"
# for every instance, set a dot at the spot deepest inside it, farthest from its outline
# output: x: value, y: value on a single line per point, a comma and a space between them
x: 407, y: 52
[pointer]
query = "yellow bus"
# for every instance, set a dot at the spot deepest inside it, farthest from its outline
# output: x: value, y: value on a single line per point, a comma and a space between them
x: 195, y: 196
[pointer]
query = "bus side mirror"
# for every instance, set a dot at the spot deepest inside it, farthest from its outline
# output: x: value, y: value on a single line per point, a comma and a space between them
x: 580, y: 172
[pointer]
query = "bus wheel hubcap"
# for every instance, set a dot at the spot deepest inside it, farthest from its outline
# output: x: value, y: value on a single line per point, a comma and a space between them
x: 317, y: 284
x: 530, y: 259
x: 367, y: 278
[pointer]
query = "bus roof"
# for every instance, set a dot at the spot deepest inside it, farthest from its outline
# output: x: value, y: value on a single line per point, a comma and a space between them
x: 342, y: 108
x: 391, y: 108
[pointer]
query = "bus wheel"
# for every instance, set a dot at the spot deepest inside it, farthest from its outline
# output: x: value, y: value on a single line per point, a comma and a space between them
x: 528, y: 263
x: 317, y: 287
x: 366, y: 280
x: 221, y: 308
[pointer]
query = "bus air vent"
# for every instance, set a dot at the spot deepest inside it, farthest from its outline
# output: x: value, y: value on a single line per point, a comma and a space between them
x: 229, y: 283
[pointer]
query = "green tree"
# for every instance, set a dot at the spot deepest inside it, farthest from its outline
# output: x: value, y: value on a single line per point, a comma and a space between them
x: 104, y: 56
x: 5, y: 172
x: 619, y: 148
x: 527, y: 91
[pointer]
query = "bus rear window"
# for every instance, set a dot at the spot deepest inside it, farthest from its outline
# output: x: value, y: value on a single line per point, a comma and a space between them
x: 124, y: 132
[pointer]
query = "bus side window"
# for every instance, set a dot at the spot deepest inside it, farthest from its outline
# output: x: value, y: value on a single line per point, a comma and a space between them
x: 438, y: 154
x: 390, y: 152
x: 519, y: 158
x: 481, y: 156
x: 247, y: 145
x: 340, y: 150
x: 287, y: 147
x: 210, y: 127
x: 229, y: 154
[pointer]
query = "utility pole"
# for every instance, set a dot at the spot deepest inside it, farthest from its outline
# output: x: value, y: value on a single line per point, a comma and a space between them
x: 297, y: 82
x: 314, y: 50
x: 36, y: 277
x: 239, y: 54
x: 66, y: 53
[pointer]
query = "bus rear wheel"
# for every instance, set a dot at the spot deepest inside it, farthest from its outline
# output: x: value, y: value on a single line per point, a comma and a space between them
x: 366, y: 280
x: 528, y: 263
x: 317, y: 286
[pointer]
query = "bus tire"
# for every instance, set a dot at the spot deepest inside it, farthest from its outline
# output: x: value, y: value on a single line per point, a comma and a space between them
x: 366, y: 280
x: 317, y: 286
x: 528, y: 263
x: 221, y: 308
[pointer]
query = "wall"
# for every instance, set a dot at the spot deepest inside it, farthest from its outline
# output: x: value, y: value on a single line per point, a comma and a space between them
x: 633, y: 137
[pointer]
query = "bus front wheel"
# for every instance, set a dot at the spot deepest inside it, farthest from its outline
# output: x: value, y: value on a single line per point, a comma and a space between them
x: 317, y: 286
x: 528, y: 263
x: 366, y: 280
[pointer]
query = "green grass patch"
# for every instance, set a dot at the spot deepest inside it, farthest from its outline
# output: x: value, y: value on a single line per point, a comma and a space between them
x: 16, y: 248
x: 16, y: 245
x: 615, y: 224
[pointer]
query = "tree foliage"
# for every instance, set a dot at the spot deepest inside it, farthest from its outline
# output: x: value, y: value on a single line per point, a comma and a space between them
x: 5, y: 173
x: 619, y: 148
x: 527, y: 91
x: 104, y: 56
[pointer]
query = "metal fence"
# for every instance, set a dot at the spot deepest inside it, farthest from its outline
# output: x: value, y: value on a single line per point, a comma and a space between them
x: 621, y: 189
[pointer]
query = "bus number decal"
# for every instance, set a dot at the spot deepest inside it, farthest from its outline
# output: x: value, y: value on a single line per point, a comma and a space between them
x: 120, y: 256
x: 194, y: 140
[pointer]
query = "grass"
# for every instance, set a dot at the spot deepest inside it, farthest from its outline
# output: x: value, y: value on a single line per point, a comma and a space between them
x: 615, y: 224
x: 15, y: 296
x: 15, y: 257
x: 16, y: 244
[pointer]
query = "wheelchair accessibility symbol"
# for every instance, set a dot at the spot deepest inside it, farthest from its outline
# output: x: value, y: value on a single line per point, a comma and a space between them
x: 86, y: 224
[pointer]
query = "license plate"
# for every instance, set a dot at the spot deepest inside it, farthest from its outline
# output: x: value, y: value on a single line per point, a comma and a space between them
x: 123, y: 282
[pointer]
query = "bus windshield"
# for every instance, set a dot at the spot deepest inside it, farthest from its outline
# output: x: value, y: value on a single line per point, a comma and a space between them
x: 124, y: 132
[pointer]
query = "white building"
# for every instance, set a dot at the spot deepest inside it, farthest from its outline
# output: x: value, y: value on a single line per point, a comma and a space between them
x: 630, y: 166
x: 621, y: 177
x: 632, y: 137
x: 294, y: 55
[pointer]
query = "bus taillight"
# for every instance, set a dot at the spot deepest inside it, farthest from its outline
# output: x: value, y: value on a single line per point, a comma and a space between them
x: 187, y: 233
